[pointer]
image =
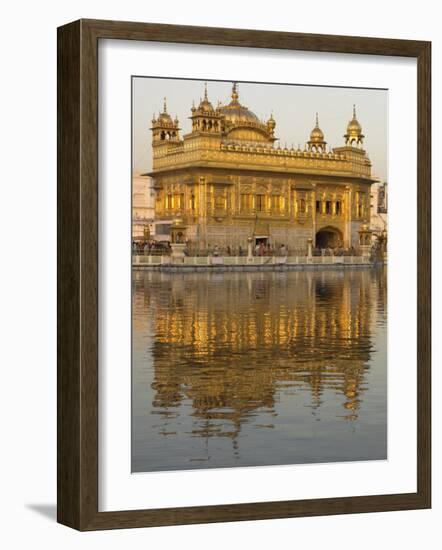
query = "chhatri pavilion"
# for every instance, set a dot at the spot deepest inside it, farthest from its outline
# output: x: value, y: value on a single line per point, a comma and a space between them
x: 226, y: 181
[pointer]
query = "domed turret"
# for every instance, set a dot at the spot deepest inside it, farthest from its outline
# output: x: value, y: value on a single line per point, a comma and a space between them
x: 205, y: 106
x: 354, y: 135
x: 317, y: 135
x: 164, y: 128
x: 316, y: 142
x: 164, y: 116
x: 204, y: 117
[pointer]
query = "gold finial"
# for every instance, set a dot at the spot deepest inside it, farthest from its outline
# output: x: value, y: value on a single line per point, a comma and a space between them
x: 205, y: 91
x: 235, y: 92
x: 354, y: 110
x: 165, y: 106
x: 317, y: 121
x: 271, y: 124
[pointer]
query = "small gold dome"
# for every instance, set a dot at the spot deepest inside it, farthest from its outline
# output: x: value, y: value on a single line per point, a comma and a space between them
x: 205, y: 106
x: 354, y: 131
x: 354, y: 127
x: 317, y: 135
x: 164, y: 116
x: 316, y: 142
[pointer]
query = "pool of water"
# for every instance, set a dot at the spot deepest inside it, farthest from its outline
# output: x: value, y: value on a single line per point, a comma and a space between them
x: 258, y: 368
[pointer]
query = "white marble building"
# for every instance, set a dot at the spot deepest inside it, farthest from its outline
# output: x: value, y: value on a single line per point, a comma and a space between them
x: 143, y: 207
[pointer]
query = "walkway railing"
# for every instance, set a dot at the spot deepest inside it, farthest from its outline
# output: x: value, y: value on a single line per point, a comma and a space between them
x: 253, y: 261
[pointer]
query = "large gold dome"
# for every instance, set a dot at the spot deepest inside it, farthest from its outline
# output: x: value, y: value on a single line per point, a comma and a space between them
x: 235, y: 113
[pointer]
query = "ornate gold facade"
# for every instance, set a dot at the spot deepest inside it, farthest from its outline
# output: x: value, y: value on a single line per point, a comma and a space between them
x: 226, y: 180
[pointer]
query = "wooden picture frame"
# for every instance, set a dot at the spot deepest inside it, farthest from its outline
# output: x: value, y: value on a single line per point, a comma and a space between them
x: 78, y: 274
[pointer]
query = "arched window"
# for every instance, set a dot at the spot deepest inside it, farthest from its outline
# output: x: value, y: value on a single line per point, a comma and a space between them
x: 260, y: 203
x: 220, y: 202
x: 302, y: 207
x: 246, y: 202
x: 276, y: 203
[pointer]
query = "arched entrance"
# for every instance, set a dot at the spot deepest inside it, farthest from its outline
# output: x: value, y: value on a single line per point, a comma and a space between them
x: 329, y: 237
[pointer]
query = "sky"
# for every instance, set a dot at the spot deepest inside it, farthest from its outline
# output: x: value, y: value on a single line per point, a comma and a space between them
x: 294, y: 109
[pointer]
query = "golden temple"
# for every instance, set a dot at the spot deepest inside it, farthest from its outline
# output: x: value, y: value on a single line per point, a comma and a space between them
x: 226, y: 181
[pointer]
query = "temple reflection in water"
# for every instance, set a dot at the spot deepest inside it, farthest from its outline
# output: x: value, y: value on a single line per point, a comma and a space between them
x: 258, y: 368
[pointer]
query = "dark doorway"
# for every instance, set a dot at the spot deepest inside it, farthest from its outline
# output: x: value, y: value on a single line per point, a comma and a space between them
x: 263, y: 240
x: 329, y: 237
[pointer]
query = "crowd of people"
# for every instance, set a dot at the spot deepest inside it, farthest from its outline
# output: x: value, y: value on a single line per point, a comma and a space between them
x: 337, y: 251
x: 262, y: 248
x: 150, y: 248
